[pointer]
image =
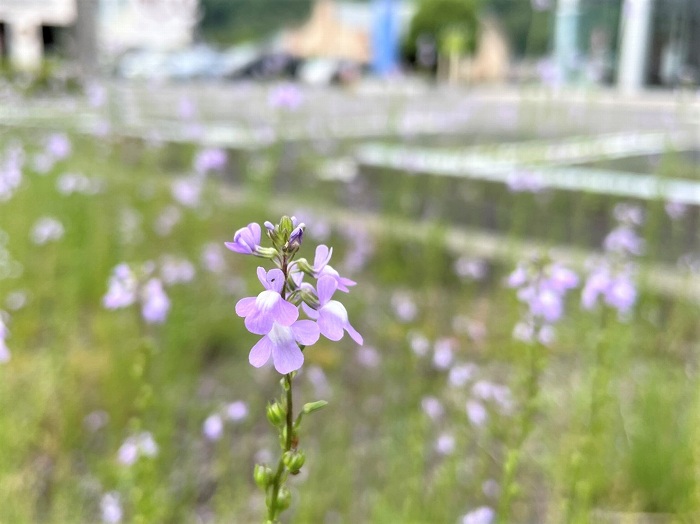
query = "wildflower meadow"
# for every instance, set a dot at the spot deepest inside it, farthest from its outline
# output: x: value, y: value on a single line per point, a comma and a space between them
x: 474, y: 314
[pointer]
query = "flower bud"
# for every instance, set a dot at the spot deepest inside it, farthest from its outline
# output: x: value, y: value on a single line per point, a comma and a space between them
x: 284, y: 498
x: 262, y: 476
x: 276, y: 414
x: 286, y: 226
x: 310, y: 407
x: 296, y: 237
x: 294, y: 460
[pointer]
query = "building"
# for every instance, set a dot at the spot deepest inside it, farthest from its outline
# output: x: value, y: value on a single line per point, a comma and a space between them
x: 636, y: 43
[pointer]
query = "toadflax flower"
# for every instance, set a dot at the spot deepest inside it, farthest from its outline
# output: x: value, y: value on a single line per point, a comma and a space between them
x: 246, y: 240
x: 4, y: 351
x: 282, y: 344
x: 331, y: 315
x: 268, y: 307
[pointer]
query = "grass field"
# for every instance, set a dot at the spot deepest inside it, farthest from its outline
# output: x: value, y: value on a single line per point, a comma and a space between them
x: 440, y: 413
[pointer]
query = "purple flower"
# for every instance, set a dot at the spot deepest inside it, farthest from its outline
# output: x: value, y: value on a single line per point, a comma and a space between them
x: 122, y: 288
x: 213, y: 427
x: 617, y: 290
x: 268, y: 307
x: 331, y: 314
x: 58, y: 146
x: 4, y: 333
x: 187, y: 191
x: 213, y: 159
x: 47, y: 229
x: 137, y: 446
x: 675, y: 210
x: 321, y: 267
x: 525, y: 181
x: 481, y: 515
x: 155, y: 303
x: 246, y: 240
x: 236, y: 411
x: 624, y: 240
x: 111, y: 508
x: 281, y: 342
x: 286, y: 96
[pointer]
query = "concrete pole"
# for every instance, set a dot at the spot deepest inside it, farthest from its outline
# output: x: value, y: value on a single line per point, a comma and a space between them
x: 86, y: 37
x: 25, y: 43
x: 566, y: 38
x: 634, y: 47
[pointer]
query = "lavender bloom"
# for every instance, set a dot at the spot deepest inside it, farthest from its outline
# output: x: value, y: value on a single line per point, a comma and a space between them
x: 368, y: 357
x: 675, y: 210
x: 246, y: 240
x: 404, y: 307
x: 445, y: 444
x: 155, y: 303
x: 617, y: 290
x: 212, y: 258
x: 432, y: 407
x: 628, y: 214
x: 443, y: 356
x: 321, y: 267
x: 213, y: 427
x: 96, y: 94
x: 58, y: 146
x: 281, y: 343
x: 187, y: 191
x: 331, y: 314
x: 4, y: 333
x: 476, y: 412
x: 213, y: 159
x: 542, y: 288
x: 76, y: 183
x: 176, y: 270
x: 470, y: 268
x: 285, y: 96
x: 268, y: 307
x: 624, y: 240
x: 236, y: 411
x: 481, y: 515
x: 141, y: 445
x: 122, y: 290
x: 525, y: 181
x: 541, y: 5
x: 167, y: 220
x: 47, y: 229
x: 111, y: 508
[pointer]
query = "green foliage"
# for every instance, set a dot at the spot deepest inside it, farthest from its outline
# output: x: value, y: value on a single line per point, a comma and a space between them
x: 231, y: 21
x: 434, y: 20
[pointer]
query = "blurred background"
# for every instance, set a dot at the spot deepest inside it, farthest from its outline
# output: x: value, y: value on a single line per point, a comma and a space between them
x: 513, y: 184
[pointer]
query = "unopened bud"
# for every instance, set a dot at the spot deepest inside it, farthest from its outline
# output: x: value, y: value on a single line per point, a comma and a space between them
x: 276, y: 414
x: 284, y: 498
x: 294, y: 460
x: 286, y: 226
x: 262, y: 476
x: 296, y: 237
x: 314, y: 406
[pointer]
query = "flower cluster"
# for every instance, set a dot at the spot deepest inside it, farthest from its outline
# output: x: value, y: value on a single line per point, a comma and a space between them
x: 4, y: 333
x: 126, y: 287
x: 612, y: 277
x: 137, y: 446
x: 542, y: 286
x: 11, y: 171
x: 274, y: 313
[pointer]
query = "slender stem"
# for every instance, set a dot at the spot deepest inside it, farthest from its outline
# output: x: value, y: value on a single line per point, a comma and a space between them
x: 279, y: 475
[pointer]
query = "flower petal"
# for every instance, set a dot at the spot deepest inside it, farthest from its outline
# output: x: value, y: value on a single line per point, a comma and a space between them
x: 354, y: 334
x: 275, y: 280
x: 260, y: 353
x: 322, y: 257
x: 332, y: 319
x: 310, y: 312
x: 262, y: 276
x: 245, y: 306
x: 306, y: 332
x: 285, y: 313
x: 325, y: 288
x: 287, y: 358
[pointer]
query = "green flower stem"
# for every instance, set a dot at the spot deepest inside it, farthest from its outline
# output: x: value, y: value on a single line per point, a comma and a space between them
x: 514, y: 455
x: 280, y: 476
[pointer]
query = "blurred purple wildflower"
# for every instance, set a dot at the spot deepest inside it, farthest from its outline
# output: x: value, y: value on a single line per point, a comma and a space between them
x: 285, y: 96
x: 47, y: 229
x: 481, y: 515
x: 187, y: 191
x: 58, y: 146
x: 4, y: 334
x: 111, y: 508
x: 211, y: 159
x: 155, y: 303
x: 135, y: 447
